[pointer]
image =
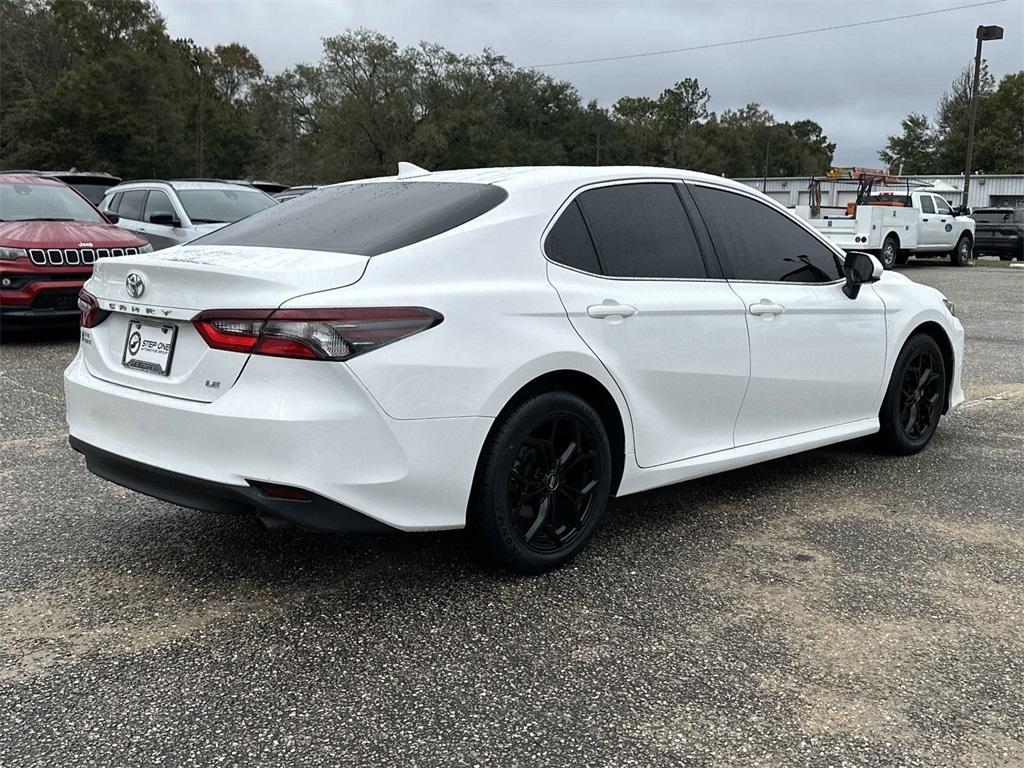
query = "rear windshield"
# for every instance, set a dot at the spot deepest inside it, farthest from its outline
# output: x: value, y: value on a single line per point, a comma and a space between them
x: 364, y: 219
x: 1000, y: 216
x: 217, y: 206
x: 93, y: 191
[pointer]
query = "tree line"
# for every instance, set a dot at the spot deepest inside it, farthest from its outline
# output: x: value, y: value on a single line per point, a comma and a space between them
x: 939, y: 146
x: 100, y: 85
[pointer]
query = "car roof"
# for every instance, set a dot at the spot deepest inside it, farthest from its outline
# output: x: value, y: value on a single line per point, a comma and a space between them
x: 527, y: 177
x: 177, y: 184
x: 28, y: 178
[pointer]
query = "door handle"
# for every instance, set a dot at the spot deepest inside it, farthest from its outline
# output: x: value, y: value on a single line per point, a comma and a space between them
x: 768, y: 308
x: 924, y: 219
x: 610, y: 308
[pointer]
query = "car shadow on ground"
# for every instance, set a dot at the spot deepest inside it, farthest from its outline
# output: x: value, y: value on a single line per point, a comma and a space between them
x: 173, y: 544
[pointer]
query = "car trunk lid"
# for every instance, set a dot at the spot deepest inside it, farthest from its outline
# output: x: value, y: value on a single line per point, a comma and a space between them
x: 176, y: 285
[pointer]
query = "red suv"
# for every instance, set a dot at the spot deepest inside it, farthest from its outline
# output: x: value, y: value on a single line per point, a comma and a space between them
x: 50, y: 236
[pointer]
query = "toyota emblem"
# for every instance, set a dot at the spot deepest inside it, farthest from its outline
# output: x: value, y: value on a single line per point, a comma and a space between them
x: 135, y: 285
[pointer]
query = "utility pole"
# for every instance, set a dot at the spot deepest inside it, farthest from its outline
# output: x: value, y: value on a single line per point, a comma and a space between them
x: 983, y: 33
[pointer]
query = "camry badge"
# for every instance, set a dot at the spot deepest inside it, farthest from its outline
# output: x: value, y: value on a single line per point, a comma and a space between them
x: 135, y: 285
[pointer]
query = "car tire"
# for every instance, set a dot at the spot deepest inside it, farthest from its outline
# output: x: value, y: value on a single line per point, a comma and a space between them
x: 913, y: 401
x: 542, y: 485
x: 890, y: 251
x: 961, y: 255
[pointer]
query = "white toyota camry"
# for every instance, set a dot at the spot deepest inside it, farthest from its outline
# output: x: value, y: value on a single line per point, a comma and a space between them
x: 502, y: 349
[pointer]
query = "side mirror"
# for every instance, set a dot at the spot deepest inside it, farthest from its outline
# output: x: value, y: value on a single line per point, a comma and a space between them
x: 112, y: 217
x: 860, y: 269
x: 164, y: 219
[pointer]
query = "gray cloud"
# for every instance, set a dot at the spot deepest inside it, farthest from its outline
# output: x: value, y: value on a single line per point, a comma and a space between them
x: 858, y: 83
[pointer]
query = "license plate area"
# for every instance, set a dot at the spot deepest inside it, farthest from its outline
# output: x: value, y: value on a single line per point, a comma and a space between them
x: 149, y: 347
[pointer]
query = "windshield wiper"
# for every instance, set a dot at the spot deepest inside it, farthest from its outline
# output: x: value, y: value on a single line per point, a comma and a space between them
x: 44, y: 218
x: 207, y: 221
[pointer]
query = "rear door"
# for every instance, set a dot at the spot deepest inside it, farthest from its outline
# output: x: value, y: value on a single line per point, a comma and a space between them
x: 627, y: 264
x: 816, y: 357
x: 130, y: 210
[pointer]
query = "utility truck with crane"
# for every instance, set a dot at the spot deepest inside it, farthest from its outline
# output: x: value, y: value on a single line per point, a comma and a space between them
x: 891, y: 218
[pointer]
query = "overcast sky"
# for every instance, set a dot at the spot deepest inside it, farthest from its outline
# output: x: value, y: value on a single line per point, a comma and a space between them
x: 857, y: 83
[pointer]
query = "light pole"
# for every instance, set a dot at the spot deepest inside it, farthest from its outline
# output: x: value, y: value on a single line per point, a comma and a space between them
x: 983, y: 33
x: 200, y: 165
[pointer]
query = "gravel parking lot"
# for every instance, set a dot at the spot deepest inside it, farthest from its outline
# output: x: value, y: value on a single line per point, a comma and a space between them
x: 833, y: 608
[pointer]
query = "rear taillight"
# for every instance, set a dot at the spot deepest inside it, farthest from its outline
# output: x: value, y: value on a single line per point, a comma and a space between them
x: 313, y: 334
x: 92, y: 315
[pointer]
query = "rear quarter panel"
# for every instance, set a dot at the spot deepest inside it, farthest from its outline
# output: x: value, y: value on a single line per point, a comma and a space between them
x: 503, y: 326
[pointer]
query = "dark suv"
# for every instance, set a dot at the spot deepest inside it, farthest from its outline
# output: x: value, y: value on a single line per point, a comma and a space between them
x: 999, y: 232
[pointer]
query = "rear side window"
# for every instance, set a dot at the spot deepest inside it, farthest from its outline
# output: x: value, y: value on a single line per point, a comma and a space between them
x: 569, y: 242
x: 760, y: 243
x: 642, y: 230
x: 364, y: 219
x: 132, y: 204
x: 927, y: 206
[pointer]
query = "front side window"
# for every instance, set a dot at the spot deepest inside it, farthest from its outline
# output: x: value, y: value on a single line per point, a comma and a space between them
x: 642, y: 230
x: 114, y: 202
x: 44, y: 202
x: 942, y: 206
x: 927, y: 206
x: 365, y: 219
x: 760, y: 243
x: 158, y: 203
x: 222, y: 206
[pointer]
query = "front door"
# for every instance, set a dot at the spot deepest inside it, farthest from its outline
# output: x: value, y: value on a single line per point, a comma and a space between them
x: 631, y: 275
x: 816, y: 357
x: 931, y: 236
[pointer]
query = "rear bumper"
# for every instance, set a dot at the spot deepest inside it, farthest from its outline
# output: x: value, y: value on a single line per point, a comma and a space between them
x: 1010, y: 246
x: 308, y: 425
x: 316, y: 513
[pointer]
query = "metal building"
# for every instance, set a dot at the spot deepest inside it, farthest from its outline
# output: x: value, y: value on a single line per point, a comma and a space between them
x: 986, y: 190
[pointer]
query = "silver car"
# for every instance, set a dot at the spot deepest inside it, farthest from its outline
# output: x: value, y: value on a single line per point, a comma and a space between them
x: 174, y: 212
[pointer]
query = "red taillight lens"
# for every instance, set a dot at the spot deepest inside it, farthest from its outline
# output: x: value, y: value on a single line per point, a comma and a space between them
x: 313, y: 334
x: 92, y: 314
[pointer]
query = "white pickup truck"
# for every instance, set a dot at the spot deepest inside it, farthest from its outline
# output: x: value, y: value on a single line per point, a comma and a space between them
x: 895, y: 226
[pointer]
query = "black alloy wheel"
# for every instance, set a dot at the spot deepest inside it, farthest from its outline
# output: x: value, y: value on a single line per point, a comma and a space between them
x: 543, y: 483
x: 920, y: 400
x: 914, y: 400
x: 552, y: 482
